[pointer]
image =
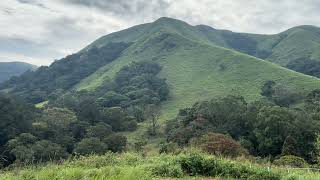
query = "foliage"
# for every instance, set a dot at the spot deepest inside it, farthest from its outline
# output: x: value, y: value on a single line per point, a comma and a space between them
x: 116, y: 143
x: 200, y: 164
x: 305, y: 66
x: 37, y: 86
x: 26, y: 149
x: 280, y: 94
x: 168, y: 148
x: 134, y: 166
x: 89, y: 146
x: 263, y: 128
x: 292, y: 161
x: 100, y: 130
x: 224, y: 115
x: 219, y: 144
x: 16, y: 117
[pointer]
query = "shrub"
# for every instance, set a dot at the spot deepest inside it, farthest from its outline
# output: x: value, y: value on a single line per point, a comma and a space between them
x: 168, y: 148
x: 196, y: 163
x: 116, y: 142
x: 219, y: 144
x: 166, y: 169
x: 90, y: 146
x: 291, y: 161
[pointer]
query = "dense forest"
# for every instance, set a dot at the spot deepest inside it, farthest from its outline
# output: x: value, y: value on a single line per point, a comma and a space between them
x: 37, y: 86
x: 80, y: 123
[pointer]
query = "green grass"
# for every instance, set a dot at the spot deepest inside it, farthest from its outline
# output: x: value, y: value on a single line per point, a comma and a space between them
x: 133, y: 166
x: 197, y: 71
x: 295, y: 43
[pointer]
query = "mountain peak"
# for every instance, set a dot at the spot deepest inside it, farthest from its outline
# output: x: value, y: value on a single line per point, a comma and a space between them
x: 168, y: 20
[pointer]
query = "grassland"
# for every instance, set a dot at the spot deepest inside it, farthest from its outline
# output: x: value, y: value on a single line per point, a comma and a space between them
x: 198, y: 71
x: 186, y: 165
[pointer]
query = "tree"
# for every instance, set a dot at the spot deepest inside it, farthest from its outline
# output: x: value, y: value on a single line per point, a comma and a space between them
x: 54, y: 125
x: 26, y: 149
x: 115, y: 117
x: 312, y: 101
x: 116, y: 142
x: 219, y: 144
x: 47, y: 151
x: 15, y: 117
x: 272, y: 127
x: 152, y: 112
x: 267, y: 89
x: 20, y: 149
x: 317, y: 148
x: 100, y: 130
x: 289, y: 147
x: 305, y: 65
x: 280, y: 94
x: 90, y: 146
x: 112, y: 99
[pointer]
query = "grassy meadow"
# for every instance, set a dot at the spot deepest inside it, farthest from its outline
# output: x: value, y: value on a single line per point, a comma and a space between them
x: 191, y: 164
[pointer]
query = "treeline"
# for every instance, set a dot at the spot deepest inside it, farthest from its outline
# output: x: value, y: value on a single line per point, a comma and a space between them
x: 37, y: 86
x: 306, y: 66
x: 80, y: 123
x: 263, y: 128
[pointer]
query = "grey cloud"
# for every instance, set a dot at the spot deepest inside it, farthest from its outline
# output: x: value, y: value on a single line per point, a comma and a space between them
x: 34, y: 3
x: 56, y: 28
x: 129, y: 9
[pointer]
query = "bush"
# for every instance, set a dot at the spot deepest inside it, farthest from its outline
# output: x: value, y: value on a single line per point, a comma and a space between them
x: 166, y: 166
x: 196, y: 163
x: 291, y: 161
x: 219, y: 144
x: 116, y: 142
x: 168, y: 148
x: 90, y: 146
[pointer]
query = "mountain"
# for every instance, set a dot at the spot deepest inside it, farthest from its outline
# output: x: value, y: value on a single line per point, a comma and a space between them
x: 9, y: 69
x: 199, y: 62
x: 302, y: 42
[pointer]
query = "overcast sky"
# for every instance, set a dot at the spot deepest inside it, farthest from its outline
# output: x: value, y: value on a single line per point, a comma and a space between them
x: 40, y: 31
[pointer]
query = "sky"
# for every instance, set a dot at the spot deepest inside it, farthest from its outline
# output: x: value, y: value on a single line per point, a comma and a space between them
x: 41, y: 31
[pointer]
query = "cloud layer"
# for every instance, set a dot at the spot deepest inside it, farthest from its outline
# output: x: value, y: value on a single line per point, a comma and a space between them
x: 40, y: 31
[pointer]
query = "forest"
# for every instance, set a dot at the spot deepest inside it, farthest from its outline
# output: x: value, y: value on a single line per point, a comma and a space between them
x: 80, y: 123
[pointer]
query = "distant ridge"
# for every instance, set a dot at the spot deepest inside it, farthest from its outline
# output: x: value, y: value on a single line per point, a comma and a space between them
x: 9, y: 69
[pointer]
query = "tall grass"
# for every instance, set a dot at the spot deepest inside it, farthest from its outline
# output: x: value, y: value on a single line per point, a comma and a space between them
x: 133, y: 166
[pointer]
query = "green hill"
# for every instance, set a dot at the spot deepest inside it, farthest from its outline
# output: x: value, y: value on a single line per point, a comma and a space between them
x: 302, y: 42
x: 9, y: 69
x: 195, y: 68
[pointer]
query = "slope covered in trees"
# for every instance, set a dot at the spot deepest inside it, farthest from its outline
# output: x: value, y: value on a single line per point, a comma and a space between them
x: 80, y: 123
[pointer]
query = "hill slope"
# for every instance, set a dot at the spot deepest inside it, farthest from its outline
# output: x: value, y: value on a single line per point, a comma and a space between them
x: 9, y: 69
x: 198, y: 70
x: 198, y: 62
x: 302, y: 42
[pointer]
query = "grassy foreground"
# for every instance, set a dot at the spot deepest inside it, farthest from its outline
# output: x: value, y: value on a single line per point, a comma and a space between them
x: 186, y: 165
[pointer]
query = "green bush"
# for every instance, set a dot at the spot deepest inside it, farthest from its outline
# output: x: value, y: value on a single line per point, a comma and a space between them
x: 219, y: 144
x: 291, y: 161
x: 168, y: 148
x: 196, y: 163
x: 166, y: 169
